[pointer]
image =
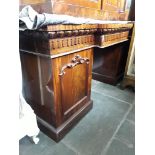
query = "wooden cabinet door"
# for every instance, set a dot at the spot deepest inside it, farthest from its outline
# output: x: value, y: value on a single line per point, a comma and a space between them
x: 72, y: 82
x: 110, y: 5
x: 84, y: 3
x: 113, y: 5
x: 122, y: 4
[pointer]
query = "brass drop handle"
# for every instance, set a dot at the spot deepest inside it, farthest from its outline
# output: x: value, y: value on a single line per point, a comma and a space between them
x: 75, y: 61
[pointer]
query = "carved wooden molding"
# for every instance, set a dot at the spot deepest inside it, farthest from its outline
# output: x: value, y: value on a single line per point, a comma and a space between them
x: 71, y: 41
x: 58, y: 39
x: 69, y: 33
x: 75, y: 61
x: 94, y: 27
x: 61, y: 31
x: 62, y: 34
x: 104, y: 40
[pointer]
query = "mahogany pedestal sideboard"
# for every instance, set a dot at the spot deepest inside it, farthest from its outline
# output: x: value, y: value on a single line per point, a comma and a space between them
x: 57, y: 70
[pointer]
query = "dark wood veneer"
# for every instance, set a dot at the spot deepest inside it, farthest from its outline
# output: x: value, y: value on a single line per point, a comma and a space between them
x: 109, y: 63
x: 57, y: 70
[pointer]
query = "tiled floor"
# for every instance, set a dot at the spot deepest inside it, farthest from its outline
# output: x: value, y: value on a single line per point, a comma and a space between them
x: 108, y: 129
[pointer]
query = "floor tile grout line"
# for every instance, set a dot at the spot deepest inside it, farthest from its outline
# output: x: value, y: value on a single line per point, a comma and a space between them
x: 104, y: 151
x: 130, y: 121
x: 126, y: 142
x: 111, y: 97
x: 71, y: 148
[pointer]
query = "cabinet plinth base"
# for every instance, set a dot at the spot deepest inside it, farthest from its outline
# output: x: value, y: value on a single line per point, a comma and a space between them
x: 107, y: 79
x: 58, y: 133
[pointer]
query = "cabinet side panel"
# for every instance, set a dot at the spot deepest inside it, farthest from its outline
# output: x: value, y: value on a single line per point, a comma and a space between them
x: 38, y: 86
x: 30, y: 78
